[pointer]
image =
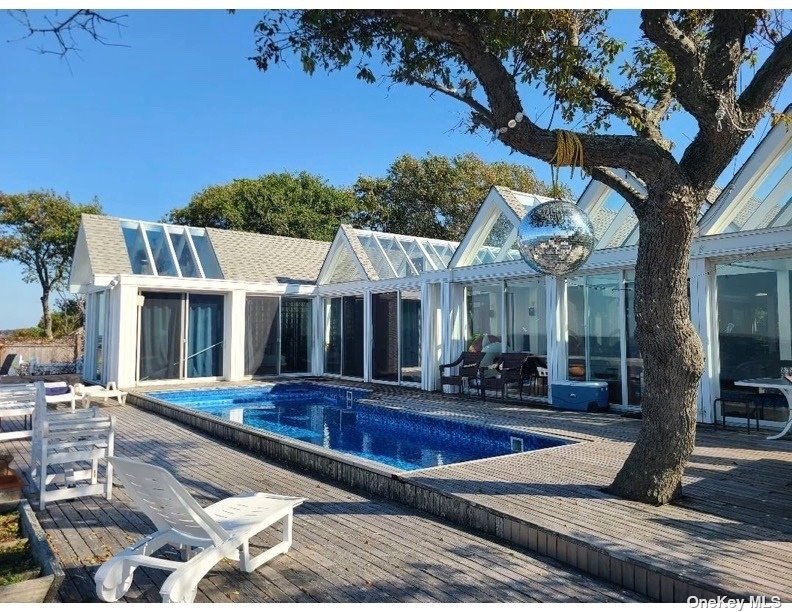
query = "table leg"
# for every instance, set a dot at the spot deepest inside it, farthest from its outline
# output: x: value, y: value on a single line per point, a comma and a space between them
x: 788, y: 425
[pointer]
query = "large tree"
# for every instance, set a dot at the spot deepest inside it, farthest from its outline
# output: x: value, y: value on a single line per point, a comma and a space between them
x: 687, y: 60
x: 435, y: 196
x: 38, y: 229
x: 298, y: 205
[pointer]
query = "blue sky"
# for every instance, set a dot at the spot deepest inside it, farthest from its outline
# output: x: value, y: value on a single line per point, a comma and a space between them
x: 143, y: 127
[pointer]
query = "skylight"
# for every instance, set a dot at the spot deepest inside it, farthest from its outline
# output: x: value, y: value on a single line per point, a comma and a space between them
x: 157, y: 249
x: 395, y: 256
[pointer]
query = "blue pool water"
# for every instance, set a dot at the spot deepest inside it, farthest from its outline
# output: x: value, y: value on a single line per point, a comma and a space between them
x: 326, y: 416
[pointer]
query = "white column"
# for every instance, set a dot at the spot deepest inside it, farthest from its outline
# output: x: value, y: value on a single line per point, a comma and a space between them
x: 234, y: 335
x: 431, y: 340
x: 703, y: 312
x: 317, y: 347
x: 122, y: 345
x: 368, y: 335
x: 556, y: 294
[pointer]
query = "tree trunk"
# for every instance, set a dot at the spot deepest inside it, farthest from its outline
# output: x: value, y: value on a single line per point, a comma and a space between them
x: 670, y: 346
x: 46, y: 314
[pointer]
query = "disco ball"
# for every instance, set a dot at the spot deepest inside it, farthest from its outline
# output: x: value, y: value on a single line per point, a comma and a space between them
x: 555, y: 238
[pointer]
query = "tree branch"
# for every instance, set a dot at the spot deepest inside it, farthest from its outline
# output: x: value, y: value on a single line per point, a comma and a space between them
x: 689, y: 88
x: 483, y: 114
x: 608, y: 177
x: 642, y: 157
x: 768, y: 80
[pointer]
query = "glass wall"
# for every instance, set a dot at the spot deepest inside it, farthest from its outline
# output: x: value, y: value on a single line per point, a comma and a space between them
x: 161, y: 333
x: 204, y: 335
x: 754, y: 326
x: 484, y: 316
x: 352, y: 336
x: 344, y: 336
x: 410, y: 334
x: 634, y: 361
x: 385, y: 344
x: 332, y: 347
x: 526, y: 320
x: 594, y: 330
x: 262, y: 333
x: 296, y: 335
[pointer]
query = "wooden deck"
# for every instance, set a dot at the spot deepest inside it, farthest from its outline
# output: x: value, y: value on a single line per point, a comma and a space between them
x: 732, y: 530
x: 347, y: 547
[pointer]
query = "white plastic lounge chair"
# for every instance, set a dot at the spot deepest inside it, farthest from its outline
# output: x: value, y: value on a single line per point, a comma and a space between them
x: 221, y: 530
x: 86, y: 392
x: 67, y: 397
x: 71, y: 444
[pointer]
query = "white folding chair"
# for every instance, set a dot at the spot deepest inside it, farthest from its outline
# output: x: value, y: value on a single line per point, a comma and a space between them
x: 219, y: 531
x: 63, y: 444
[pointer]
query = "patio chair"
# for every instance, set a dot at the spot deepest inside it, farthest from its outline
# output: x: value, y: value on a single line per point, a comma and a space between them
x: 66, y: 450
x: 17, y: 400
x: 87, y: 392
x: 11, y: 361
x: 510, y: 370
x: 467, y: 364
x: 222, y: 530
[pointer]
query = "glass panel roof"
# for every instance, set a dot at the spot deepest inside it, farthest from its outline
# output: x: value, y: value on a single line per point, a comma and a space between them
x: 166, y: 250
x: 395, y: 256
x: 614, y: 221
x: 344, y: 270
x: 767, y: 204
x: 499, y: 245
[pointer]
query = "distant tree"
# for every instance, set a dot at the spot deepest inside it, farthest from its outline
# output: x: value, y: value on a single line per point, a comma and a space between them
x: 436, y: 196
x: 38, y: 229
x: 68, y: 315
x: 297, y: 205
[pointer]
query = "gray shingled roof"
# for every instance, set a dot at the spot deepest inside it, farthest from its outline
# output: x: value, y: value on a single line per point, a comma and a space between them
x: 262, y: 258
x: 508, y: 196
x: 107, y: 251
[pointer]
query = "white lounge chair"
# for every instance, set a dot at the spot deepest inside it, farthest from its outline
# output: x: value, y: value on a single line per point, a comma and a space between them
x: 67, y: 397
x: 221, y: 530
x: 86, y: 392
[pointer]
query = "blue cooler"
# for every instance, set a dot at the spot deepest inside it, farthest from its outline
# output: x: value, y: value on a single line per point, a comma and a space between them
x: 580, y: 395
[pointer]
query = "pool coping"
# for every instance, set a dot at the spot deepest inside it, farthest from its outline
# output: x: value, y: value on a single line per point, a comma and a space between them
x: 615, y: 565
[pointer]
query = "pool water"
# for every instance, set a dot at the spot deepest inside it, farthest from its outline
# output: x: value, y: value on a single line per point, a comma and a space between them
x: 333, y: 417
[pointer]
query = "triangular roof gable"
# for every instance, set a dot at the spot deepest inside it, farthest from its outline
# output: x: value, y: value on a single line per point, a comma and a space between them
x: 613, y: 227
x: 760, y: 164
x: 81, y: 272
x: 341, y: 251
x: 493, y: 206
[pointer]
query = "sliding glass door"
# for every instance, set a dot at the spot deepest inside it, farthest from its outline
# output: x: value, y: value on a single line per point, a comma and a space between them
x: 352, y: 336
x: 385, y: 344
x: 204, y: 336
x: 343, y: 342
x: 410, y: 334
x: 181, y: 336
x: 262, y: 335
x: 296, y: 335
x: 161, y: 333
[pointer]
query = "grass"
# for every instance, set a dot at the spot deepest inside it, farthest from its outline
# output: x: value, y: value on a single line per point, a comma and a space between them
x: 16, y: 562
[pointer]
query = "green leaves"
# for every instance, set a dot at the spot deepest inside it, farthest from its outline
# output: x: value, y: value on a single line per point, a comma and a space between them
x: 297, y: 205
x: 39, y: 229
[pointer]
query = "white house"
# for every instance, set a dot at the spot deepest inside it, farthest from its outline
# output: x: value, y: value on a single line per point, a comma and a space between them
x: 179, y: 304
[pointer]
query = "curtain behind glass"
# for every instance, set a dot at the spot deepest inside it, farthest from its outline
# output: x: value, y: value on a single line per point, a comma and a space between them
x: 526, y: 323
x: 261, y: 335
x: 332, y: 346
x: 205, y: 336
x: 385, y: 346
x: 352, y: 336
x: 296, y: 335
x: 411, y: 336
x: 160, y: 336
x: 100, y: 318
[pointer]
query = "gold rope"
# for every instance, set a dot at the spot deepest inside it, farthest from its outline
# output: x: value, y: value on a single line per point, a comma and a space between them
x: 569, y: 152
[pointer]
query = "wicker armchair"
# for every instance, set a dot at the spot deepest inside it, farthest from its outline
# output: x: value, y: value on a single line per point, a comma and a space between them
x: 467, y: 365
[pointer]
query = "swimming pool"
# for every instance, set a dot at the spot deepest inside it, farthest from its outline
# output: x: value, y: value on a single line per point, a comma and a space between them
x: 333, y: 417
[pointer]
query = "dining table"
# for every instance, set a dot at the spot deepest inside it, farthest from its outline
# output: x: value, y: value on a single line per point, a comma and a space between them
x: 782, y: 385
